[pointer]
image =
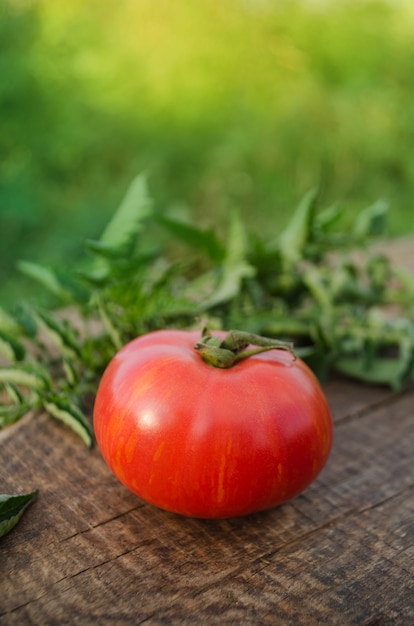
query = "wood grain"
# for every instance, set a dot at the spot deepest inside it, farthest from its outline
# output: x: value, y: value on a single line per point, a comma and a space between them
x: 90, y: 552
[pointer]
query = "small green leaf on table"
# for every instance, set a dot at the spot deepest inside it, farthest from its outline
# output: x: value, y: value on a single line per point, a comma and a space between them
x: 12, y: 508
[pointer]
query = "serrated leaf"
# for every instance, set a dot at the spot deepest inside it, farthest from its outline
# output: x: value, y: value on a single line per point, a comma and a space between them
x: 296, y: 235
x: 12, y: 508
x: 8, y: 324
x: 102, y: 249
x: 71, y: 282
x: 11, y: 348
x: 26, y: 376
x: 313, y: 279
x: 13, y: 393
x: 47, y: 277
x: 129, y: 219
x: 98, y: 275
x: 10, y: 413
x: 235, y: 267
x: 204, y: 239
x: 61, y: 335
x: 71, y: 415
x: 327, y: 219
x: 380, y: 371
x: 25, y: 318
x: 371, y: 221
x: 112, y: 331
x: 70, y: 372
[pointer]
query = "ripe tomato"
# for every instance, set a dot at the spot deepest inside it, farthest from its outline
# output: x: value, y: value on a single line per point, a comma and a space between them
x: 208, y: 442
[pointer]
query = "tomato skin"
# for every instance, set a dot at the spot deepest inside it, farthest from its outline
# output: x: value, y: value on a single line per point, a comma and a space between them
x: 207, y: 442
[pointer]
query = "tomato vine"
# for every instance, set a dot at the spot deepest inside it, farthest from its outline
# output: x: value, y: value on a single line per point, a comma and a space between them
x: 305, y: 286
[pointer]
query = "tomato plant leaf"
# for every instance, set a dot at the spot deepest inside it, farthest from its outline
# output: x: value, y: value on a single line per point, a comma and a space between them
x: 10, y: 413
x: 61, y: 334
x: 129, y: 219
x: 13, y: 393
x: 73, y: 285
x: 104, y: 250
x: 379, y: 371
x: 109, y: 326
x: 371, y: 221
x: 117, y: 242
x: 292, y: 288
x: 293, y: 239
x: 11, y: 348
x: 64, y: 410
x: 204, y: 239
x: 235, y: 266
x: 9, y: 324
x: 47, y: 277
x: 12, y: 508
x: 70, y: 372
x: 26, y: 375
x: 326, y: 220
x: 24, y: 316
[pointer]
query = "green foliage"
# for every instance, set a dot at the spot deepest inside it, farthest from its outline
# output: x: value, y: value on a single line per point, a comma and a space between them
x: 235, y: 103
x: 12, y: 508
x: 300, y: 287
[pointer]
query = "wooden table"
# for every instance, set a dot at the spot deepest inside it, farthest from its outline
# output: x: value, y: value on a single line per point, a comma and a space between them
x: 89, y: 552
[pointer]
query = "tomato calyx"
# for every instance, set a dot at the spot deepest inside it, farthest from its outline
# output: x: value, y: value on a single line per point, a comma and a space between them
x: 233, y: 349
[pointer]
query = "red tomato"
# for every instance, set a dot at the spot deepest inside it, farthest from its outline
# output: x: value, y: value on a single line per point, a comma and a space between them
x: 208, y: 442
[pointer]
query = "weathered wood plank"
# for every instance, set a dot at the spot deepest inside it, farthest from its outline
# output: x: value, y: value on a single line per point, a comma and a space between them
x: 91, y: 551
x: 351, y: 399
x: 343, y: 574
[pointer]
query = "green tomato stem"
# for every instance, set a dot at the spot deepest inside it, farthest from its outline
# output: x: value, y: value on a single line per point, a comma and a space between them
x: 227, y: 353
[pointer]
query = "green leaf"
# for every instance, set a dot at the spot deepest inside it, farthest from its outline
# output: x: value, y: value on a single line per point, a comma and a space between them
x: 8, y: 324
x: 10, y: 413
x: 14, y: 394
x: 379, y: 371
x: 405, y: 362
x: 104, y: 250
x: 297, y: 234
x: 33, y: 377
x: 327, y: 219
x: 109, y: 326
x: 61, y: 334
x: 318, y: 359
x: 204, y: 239
x: 270, y: 324
x: 130, y: 217
x: 235, y: 267
x: 12, y: 508
x: 47, y: 277
x: 117, y: 241
x: 371, y: 221
x: 25, y: 318
x: 64, y: 410
x: 314, y: 280
x: 70, y: 372
x: 71, y: 282
x: 11, y: 348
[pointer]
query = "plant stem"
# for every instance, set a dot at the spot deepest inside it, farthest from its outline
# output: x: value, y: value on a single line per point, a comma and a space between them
x: 227, y: 353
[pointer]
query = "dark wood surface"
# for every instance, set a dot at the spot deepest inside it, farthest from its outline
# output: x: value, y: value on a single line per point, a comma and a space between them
x: 89, y: 552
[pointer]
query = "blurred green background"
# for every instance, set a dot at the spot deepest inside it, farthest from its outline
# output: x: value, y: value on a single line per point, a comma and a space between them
x: 245, y: 103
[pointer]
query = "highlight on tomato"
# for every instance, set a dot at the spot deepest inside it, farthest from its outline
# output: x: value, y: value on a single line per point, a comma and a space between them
x: 212, y: 426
